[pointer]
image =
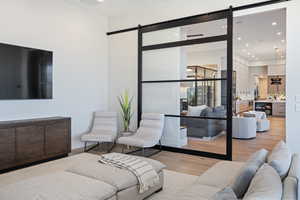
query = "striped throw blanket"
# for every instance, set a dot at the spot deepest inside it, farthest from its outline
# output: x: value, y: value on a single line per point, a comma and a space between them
x: 145, y: 173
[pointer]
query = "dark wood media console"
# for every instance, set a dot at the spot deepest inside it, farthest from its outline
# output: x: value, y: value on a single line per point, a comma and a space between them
x: 24, y: 142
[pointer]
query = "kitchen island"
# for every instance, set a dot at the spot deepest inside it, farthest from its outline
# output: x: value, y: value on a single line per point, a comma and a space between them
x: 271, y: 107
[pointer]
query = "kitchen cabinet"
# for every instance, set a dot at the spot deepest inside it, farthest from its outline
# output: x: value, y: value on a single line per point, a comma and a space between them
x: 278, y: 109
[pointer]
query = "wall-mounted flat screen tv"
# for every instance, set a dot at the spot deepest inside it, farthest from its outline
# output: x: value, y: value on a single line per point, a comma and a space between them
x: 25, y: 73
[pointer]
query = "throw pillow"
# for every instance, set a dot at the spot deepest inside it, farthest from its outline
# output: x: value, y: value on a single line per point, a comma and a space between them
x: 195, y: 110
x: 219, y: 109
x: 224, y: 194
x: 265, y: 185
x: 205, y: 112
x: 280, y: 159
x: 244, y: 177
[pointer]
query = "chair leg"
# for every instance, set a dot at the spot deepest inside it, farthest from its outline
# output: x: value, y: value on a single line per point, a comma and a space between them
x: 85, y: 144
x: 101, y: 147
x: 111, y: 148
x: 93, y: 147
x: 122, y: 148
x: 160, y: 146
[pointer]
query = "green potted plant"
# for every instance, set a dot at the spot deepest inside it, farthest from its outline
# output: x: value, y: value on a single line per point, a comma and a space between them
x: 126, y: 105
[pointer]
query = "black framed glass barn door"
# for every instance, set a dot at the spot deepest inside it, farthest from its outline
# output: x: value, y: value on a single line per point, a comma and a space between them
x: 185, y: 72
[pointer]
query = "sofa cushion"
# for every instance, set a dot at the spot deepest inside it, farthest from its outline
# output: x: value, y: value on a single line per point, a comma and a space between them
x: 265, y: 185
x: 219, y: 109
x: 133, y: 193
x: 197, y: 192
x: 245, y: 175
x: 214, y: 176
x: 119, y: 178
x: 225, y: 194
x: 58, y: 186
x: 293, y: 176
x: 195, y: 110
x: 295, y: 167
x: 217, y: 112
x: 205, y: 112
x: 280, y: 159
x: 290, y: 188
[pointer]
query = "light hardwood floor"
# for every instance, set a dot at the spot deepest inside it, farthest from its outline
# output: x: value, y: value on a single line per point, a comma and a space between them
x: 242, y: 149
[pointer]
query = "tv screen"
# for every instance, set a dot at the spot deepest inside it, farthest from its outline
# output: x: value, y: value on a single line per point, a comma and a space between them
x: 25, y: 73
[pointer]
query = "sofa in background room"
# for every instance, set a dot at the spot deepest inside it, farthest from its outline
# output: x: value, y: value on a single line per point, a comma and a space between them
x: 201, y: 128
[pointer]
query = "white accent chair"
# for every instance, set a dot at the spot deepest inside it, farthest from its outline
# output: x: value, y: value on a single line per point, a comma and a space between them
x: 244, y: 128
x: 262, y: 123
x: 103, y: 130
x: 148, y: 134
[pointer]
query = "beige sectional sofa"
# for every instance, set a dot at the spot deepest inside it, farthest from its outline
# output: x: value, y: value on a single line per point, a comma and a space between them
x: 84, y: 180
x: 265, y: 176
x: 266, y: 183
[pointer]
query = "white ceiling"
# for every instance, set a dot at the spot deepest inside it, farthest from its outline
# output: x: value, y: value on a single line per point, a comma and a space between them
x: 255, y: 30
x: 125, y: 7
x: 111, y: 7
x: 255, y: 38
x: 263, y: 38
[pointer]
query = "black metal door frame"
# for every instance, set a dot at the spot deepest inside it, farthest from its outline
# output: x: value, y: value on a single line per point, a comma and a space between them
x: 243, y: 7
x: 224, y: 14
x: 172, y: 23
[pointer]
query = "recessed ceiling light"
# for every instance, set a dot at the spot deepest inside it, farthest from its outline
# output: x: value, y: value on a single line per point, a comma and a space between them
x: 249, y: 54
x: 274, y: 24
x: 239, y: 38
x: 278, y: 33
x: 283, y: 41
x: 253, y: 56
x: 247, y: 45
x: 100, y: 1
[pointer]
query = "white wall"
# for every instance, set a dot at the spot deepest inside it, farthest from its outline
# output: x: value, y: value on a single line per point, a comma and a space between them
x: 254, y: 72
x: 240, y: 65
x: 276, y: 70
x: 154, y: 13
x: 123, y: 71
x: 268, y: 62
x: 275, y: 67
x: 206, y: 57
x: 292, y: 73
x: 77, y: 38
